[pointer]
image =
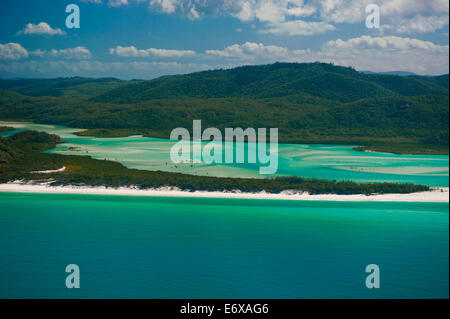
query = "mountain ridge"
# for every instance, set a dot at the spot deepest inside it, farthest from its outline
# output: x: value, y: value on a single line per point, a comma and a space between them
x: 276, y: 80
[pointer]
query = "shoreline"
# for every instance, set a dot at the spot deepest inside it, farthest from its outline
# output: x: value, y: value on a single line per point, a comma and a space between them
x: 436, y: 195
x: 62, y: 169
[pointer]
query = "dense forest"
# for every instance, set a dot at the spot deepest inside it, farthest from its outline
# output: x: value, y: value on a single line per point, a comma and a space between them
x: 22, y: 157
x: 307, y: 102
x: 321, y: 80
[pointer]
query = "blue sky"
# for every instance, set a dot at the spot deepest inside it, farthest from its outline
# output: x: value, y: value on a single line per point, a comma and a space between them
x: 149, y: 38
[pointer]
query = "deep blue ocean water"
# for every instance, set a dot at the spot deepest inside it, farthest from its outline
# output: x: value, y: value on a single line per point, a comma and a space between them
x: 134, y: 247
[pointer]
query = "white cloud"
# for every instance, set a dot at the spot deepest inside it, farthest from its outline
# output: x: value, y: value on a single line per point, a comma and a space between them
x: 298, y: 27
x: 405, y: 8
x: 387, y: 43
x: 12, y: 51
x: 117, y: 3
x: 268, y: 11
x: 364, y: 53
x: 245, y: 13
x: 380, y: 53
x: 302, y: 11
x: 166, y: 6
x: 331, y: 10
x: 132, y: 51
x: 126, y: 70
x: 40, y: 28
x: 340, y: 11
x: 352, y: 11
x: 112, y: 3
x: 193, y: 14
x: 387, y: 54
x: 397, y: 16
x: 418, y: 24
x: 403, y: 16
x: 245, y: 10
x: 431, y: 13
x: 251, y: 50
x: 79, y: 53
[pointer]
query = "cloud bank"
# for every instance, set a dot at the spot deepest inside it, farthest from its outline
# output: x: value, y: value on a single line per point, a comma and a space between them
x: 40, y: 29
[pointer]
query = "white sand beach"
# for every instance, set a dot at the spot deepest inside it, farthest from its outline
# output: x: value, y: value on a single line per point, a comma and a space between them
x: 62, y: 169
x: 436, y: 195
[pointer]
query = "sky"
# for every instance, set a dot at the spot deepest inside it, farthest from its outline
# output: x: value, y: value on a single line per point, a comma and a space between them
x: 144, y: 39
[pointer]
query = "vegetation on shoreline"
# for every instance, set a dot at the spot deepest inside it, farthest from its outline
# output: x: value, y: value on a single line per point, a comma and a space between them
x: 309, y: 103
x: 6, y: 129
x: 22, y: 153
x: 103, y: 132
x: 403, y: 149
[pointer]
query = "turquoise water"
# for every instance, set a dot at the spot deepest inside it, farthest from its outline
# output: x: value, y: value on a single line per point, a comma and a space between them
x: 338, y: 162
x: 133, y: 247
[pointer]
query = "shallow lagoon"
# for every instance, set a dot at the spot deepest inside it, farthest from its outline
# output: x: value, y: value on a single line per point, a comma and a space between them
x: 338, y: 162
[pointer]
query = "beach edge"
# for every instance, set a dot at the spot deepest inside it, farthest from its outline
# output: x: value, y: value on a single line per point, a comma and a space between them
x: 435, y: 195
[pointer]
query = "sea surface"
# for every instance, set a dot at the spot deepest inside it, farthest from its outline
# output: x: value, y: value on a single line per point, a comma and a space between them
x: 134, y: 247
x: 334, y: 162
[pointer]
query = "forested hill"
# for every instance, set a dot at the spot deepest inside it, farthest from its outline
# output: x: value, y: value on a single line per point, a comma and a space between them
x: 69, y: 87
x: 279, y: 80
x: 308, y: 103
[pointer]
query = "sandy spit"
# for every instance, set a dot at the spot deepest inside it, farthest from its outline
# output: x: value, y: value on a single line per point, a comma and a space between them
x: 436, y: 195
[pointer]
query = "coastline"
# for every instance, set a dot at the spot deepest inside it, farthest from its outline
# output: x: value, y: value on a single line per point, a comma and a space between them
x: 436, y: 195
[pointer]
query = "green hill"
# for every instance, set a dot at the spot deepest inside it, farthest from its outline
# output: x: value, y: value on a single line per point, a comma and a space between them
x: 276, y: 80
x: 69, y: 87
x: 308, y: 103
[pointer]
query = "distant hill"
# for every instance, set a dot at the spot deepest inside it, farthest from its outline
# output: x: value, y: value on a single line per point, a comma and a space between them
x: 308, y: 103
x: 399, y: 73
x: 73, y: 87
x: 276, y: 80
